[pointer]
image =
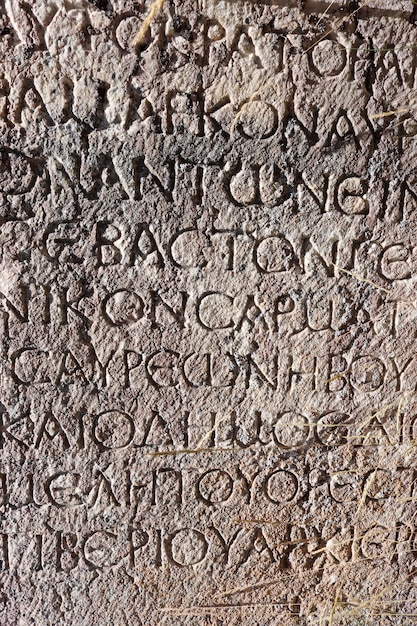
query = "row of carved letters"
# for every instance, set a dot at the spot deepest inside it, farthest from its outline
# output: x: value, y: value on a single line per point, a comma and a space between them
x: 292, y: 430
x: 186, y: 547
x: 217, y: 487
x: 165, y: 368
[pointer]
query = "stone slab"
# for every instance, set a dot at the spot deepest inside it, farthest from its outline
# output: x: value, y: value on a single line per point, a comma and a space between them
x: 207, y: 312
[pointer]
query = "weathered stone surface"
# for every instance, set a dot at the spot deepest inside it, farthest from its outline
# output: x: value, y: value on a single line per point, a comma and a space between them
x: 207, y: 310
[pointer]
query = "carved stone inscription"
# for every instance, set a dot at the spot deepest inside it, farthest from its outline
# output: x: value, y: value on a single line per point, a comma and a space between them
x: 208, y: 261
